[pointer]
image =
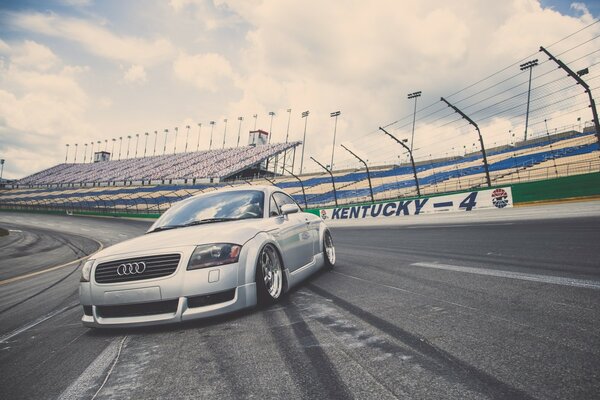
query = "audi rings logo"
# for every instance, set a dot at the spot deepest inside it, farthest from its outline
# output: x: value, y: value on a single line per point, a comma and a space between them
x: 134, y: 268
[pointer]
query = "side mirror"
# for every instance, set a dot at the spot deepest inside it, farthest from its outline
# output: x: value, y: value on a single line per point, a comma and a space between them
x: 289, y: 209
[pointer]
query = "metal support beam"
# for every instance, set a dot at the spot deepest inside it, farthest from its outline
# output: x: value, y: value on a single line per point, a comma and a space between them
x: 412, y: 160
x: 580, y: 81
x: 485, y: 163
x: 366, y: 166
x: 332, y: 181
x: 301, y: 185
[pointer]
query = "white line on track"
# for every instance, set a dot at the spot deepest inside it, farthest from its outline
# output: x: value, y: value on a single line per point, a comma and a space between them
x: 36, y: 322
x: 20, y: 277
x: 555, y: 280
x: 89, y: 378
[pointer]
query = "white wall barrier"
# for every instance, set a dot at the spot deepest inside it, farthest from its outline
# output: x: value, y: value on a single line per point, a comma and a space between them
x: 461, y: 202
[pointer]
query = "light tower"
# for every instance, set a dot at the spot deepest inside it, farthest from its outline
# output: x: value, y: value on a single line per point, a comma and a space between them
x: 415, y: 96
x: 336, y: 115
x: 528, y: 65
x: 305, y: 116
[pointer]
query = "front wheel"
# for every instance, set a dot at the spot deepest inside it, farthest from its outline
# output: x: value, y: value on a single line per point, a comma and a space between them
x: 269, y: 276
x: 328, y: 250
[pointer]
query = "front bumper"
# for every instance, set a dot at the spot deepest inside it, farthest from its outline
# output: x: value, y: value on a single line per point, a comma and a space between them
x: 244, y: 297
x: 174, y: 298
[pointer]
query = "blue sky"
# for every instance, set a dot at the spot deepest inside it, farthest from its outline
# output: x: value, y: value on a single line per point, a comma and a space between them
x: 77, y: 71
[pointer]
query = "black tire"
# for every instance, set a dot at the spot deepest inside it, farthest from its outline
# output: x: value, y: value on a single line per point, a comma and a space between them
x: 328, y: 250
x: 269, y: 276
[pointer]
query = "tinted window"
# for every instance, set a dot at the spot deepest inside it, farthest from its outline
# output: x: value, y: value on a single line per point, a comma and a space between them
x: 273, y: 208
x: 281, y: 199
x: 235, y: 204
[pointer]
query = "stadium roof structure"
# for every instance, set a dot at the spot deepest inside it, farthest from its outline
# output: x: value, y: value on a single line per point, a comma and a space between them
x: 207, y: 165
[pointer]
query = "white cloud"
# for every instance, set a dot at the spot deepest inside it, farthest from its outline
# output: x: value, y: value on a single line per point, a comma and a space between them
x: 211, y: 60
x: 205, y: 71
x: 135, y: 74
x: 97, y: 39
x: 34, y: 55
x: 580, y: 7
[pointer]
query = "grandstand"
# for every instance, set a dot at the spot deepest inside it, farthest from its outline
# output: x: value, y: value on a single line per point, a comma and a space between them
x: 202, y: 166
x: 152, y: 184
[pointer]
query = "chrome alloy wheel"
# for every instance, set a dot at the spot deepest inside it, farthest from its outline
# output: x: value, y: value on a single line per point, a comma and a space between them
x: 329, y: 248
x: 271, y: 271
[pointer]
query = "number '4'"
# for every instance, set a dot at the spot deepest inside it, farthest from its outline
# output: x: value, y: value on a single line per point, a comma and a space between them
x: 469, y: 202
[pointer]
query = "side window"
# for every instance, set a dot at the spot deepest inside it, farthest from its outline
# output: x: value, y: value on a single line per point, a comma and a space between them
x: 273, y: 208
x: 282, y: 198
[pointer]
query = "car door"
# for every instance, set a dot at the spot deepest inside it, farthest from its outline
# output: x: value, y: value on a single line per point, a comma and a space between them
x: 294, y: 236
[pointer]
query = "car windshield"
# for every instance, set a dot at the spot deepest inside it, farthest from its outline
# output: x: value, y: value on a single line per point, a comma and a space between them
x: 213, y: 207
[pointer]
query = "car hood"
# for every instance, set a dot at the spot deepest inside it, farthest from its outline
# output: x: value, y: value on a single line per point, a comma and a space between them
x: 238, y: 232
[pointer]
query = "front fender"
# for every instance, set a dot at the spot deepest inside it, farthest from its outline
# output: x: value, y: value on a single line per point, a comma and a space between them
x: 322, y: 229
x: 249, y: 258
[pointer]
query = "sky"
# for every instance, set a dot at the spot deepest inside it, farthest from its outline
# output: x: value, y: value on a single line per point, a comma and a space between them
x: 82, y: 71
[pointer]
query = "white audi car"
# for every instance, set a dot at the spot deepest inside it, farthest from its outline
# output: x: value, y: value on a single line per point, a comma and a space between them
x: 210, y: 254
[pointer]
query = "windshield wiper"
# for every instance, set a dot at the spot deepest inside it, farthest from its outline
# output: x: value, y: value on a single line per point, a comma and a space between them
x: 198, y: 222
x: 208, y: 221
x: 164, y: 228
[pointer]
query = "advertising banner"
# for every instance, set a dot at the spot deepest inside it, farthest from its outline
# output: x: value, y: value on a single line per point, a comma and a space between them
x: 470, y: 201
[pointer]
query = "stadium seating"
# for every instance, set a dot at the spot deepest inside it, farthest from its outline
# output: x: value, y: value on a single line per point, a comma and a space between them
x: 183, y: 166
x: 537, y: 159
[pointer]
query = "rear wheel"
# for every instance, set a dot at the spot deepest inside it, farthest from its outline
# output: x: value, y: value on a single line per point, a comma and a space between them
x: 269, y: 276
x: 328, y: 250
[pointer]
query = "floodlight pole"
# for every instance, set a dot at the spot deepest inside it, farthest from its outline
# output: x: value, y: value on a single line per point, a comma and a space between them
x: 485, y: 163
x: 239, y: 131
x: 287, y: 135
x: 199, y: 131
x: 145, y: 143
x: 301, y: 185
x: 165, y: 147
x: 224, y: 132
x: 272, y: 114
x: 528, y: 65
x: 332, y: 181
x: 128, y: 143
x: 412, y: 160
x: 366, y: 166
x: 137, y: 142
x: 577, y: 77
x: 1, y: 168
x: 75, y: 160
x: 212, y: 128
x: 305, y: 116
x: 155, y: 139
x: 336, y: 115
x: 175, y: 144
x: 414, y: 95
x: 187, y: 136
x: 66, y: 155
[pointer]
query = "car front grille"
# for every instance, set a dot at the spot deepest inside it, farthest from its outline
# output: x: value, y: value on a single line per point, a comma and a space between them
x: 138, y: 310
x: 147, y: 268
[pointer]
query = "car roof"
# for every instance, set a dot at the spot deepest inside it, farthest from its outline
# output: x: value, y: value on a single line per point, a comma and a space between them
x: 267, y: 189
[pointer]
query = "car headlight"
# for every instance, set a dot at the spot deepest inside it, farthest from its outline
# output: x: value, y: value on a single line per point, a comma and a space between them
x: 211, y: 255
x: 86, y: 271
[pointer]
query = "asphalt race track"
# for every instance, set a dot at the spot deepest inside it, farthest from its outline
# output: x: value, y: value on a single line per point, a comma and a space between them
x: 502, y: 307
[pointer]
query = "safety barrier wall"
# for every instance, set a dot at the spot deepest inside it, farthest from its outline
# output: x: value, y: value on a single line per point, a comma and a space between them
x: 570, y: 187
